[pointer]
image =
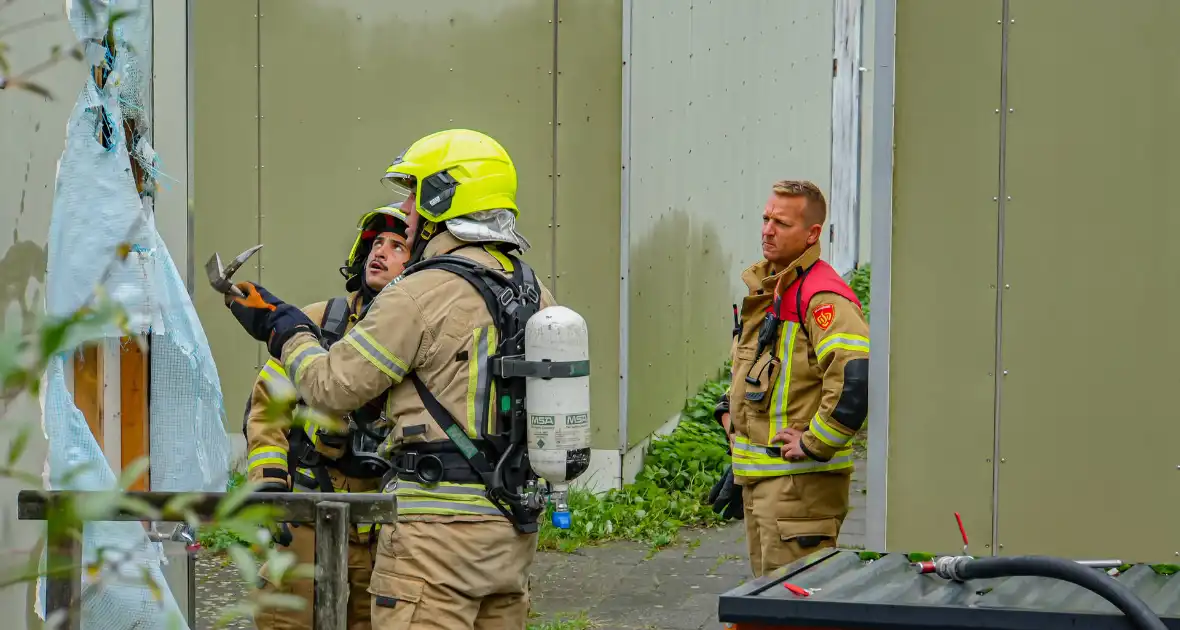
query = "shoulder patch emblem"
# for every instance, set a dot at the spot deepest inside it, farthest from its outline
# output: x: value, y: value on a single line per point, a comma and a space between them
x: 824, y: 314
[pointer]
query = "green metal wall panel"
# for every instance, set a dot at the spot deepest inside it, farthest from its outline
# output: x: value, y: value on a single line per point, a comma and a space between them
x: 942, y: 358
x: 346, y: 87
x: 1088, y: 439
x: 225, y: 179
x: 586, y: 234
x: 726, y: 98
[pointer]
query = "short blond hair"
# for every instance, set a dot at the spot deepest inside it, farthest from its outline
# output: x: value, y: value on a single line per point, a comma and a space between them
x: 817, y: 207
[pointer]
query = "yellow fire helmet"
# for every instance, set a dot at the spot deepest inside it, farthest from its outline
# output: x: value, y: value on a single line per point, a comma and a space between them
x: 384, y: 219
x: 455, y: 173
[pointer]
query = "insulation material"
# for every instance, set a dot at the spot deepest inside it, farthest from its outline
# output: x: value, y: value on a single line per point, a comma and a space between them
x: 103, y: 239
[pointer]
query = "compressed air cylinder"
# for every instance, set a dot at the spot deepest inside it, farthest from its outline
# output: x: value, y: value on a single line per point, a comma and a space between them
x: 558, y: 408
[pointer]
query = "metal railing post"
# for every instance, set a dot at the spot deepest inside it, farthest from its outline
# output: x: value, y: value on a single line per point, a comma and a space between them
x: 334, y: 514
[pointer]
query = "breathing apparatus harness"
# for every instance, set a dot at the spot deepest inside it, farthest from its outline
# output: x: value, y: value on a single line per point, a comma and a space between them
x: 499, y: 461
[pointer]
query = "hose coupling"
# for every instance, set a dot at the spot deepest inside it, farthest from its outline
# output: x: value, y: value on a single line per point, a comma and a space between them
x: 949, y: 567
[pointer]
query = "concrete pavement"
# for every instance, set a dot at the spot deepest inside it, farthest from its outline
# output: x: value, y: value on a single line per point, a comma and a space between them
x: 617, y: 585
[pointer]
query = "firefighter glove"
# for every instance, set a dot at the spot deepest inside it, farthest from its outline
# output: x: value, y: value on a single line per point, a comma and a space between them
x: 726, y: 497
x: 253, y: 311
x: 266, y: 317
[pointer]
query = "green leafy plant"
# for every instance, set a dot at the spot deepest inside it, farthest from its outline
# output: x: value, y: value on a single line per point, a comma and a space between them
x: 669, y: 492
x: 220, y: 539
x: 860, y: 283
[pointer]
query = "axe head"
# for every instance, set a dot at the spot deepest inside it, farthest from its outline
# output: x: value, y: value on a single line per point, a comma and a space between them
x: 219, y: 276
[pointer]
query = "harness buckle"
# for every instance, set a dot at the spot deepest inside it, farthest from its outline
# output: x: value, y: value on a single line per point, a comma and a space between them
x: 506, y: 297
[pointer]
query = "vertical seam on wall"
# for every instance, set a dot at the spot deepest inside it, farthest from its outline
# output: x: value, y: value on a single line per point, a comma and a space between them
x: 258, y: 131
x: 625, y: 232
x: 998, y: 371
x: 258, y: 359
x: 554, y: 174
x: 189, y: 94
x: 151, y: 97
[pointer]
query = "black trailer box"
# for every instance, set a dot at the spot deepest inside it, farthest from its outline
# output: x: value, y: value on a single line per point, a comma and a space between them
x: 862, y: 590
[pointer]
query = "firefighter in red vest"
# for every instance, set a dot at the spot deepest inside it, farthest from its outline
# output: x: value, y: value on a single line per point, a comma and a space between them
x: 799, y: 391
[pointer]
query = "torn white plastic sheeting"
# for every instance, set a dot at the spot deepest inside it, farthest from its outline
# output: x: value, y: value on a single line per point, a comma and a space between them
x: 97, y: 212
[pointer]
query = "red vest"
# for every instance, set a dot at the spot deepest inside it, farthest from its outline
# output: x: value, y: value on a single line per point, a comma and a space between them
x: 819, y: 278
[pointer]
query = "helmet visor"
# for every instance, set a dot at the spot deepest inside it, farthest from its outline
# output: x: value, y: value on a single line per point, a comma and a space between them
x: 400, y: 184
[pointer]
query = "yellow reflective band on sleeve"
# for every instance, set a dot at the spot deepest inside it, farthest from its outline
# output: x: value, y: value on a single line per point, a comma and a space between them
x: 854, y: 343
x: 443, y: 498
x: 268, y: 456
x: 828, y: 434
x: 302, y: 356
x: 477, y: 367
x: 273, y: 370
x: 376, y: 354
x: 778, y: 401
x: 275, y: 381
x: 753, y: 460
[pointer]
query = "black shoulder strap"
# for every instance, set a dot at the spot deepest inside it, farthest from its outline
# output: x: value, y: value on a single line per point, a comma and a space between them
x: 335, y: 320
x: 802, y: 273
x: 490, y: 284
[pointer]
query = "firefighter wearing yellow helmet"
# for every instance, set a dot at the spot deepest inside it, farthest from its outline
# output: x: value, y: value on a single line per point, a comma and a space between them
x: 286, y: 455
x: 447, y: 340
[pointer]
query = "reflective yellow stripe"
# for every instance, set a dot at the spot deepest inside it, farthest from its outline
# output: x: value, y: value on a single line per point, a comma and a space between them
x: 274, y: 379
x: 443, y: 498
x: 477, y: 395
x: 302, y: 356
x: 743, y: 468
x: 376, y: 354
x: 270, y: 456
x: 828, y: 434
x: 753, y: 460
x: 273, y: 370
x: 854, y: 343
x: 504, y: 260
x: 778, y: 401
x: 491, y: 396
